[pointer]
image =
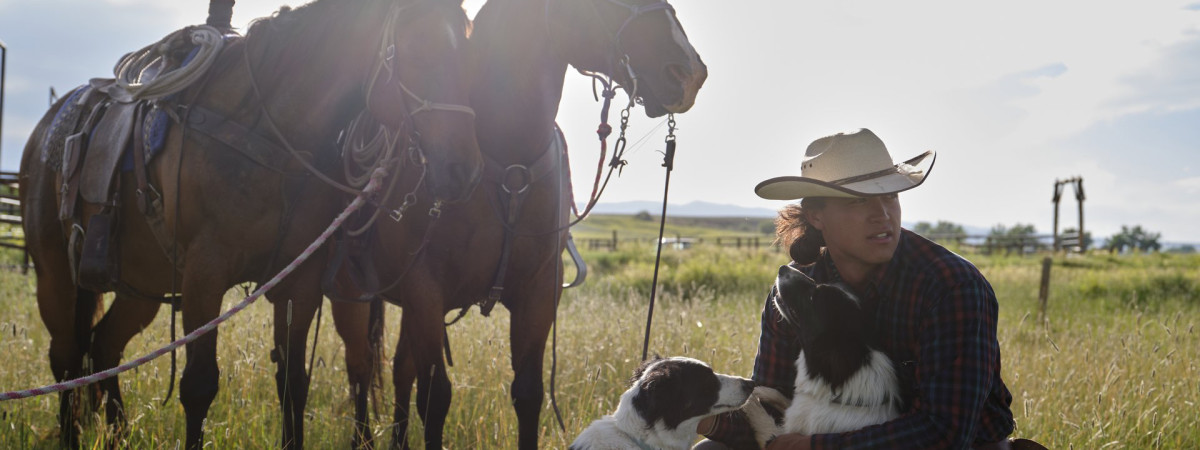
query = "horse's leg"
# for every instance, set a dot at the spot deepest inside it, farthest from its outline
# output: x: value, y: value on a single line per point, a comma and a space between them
x: 295, y: 306
x: 125, y: 318
x: 68, y: 313
x: 355, y: 323
x: 203, y: 287
x: 404, y: 373
x: 426, y: 319
x: 532, y: 315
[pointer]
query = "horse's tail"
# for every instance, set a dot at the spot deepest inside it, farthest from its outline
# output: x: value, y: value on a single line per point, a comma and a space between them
x: 87, y: 309
x: 375, y: 322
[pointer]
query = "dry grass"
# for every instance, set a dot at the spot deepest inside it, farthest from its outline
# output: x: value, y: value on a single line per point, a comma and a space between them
x: 1113, y: 367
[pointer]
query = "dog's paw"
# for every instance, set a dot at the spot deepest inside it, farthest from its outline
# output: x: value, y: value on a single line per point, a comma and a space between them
x: 761, y: 421
x: 772, y: 397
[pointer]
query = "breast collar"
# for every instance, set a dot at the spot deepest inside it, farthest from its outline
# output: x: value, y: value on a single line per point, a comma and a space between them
x: 525, y: 176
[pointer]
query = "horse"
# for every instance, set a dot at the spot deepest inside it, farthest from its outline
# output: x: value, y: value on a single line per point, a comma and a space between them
x: 260, y: 184
x: 520, y: 52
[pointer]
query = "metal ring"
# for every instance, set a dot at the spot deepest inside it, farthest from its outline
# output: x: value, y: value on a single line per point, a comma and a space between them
x: 527, y: 175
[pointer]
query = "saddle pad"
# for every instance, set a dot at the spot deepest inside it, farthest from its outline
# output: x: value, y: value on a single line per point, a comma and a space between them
x: 64, y: 123
x: 154, y: 130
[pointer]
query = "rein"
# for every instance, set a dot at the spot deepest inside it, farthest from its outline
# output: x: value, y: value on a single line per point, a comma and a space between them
x: 669, y: 163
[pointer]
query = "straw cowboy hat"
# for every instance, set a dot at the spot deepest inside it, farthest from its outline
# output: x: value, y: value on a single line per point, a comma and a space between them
x: 848, y: 165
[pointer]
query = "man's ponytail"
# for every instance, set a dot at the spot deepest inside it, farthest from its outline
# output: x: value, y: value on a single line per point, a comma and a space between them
x: 793, y: 231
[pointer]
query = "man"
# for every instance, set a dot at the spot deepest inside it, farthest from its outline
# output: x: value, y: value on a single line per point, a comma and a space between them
x: 933, y: 313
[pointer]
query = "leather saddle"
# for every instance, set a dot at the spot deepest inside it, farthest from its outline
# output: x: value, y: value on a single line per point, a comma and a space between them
x: 91, y: 158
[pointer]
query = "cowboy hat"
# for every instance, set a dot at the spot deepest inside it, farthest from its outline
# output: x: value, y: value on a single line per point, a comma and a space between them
x: 848, y: 165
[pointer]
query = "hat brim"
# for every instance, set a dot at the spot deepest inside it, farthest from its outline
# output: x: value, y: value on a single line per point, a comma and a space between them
x: 793, y: 187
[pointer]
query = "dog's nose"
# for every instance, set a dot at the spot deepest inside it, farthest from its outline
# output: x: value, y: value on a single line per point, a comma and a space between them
x: 748, y: 386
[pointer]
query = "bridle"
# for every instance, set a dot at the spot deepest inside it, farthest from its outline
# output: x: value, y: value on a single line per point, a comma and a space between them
x: 384, y: 62
x: 617, y: 56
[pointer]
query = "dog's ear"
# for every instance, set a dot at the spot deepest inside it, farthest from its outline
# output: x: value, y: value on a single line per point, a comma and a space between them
x: 646, y: 399
x: 641, y: 370
x: 793, y: 299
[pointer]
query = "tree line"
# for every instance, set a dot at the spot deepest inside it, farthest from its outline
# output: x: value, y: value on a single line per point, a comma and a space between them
x: 1128, y: 239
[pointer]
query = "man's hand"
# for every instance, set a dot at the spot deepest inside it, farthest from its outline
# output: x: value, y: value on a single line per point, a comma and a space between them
x: 790, y: 442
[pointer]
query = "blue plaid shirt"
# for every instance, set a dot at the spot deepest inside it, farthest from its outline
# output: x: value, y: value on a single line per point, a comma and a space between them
x: 935, y: 316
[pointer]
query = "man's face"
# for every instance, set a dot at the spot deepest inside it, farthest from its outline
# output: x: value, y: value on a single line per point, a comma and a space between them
x: 860, y: 233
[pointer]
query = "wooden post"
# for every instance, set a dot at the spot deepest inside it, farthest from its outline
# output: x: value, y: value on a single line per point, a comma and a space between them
x: 1080, y: 197
x: 1044, y: 292
x: 614, y: 241
x: 1057, y: 197
x: 3, y: 76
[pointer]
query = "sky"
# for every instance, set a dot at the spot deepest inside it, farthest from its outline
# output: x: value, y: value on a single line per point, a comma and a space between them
x: 1012, y: 95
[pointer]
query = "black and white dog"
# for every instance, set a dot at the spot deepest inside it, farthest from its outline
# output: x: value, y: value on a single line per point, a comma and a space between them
x: 842, y: 383
x: 666, y: 399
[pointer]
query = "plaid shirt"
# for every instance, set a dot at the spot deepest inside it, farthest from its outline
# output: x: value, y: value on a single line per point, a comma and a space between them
x: 935, y: 316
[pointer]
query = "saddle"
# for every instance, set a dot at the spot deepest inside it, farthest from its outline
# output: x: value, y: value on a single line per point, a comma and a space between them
x: 92, y: 153
x: 101, y: 129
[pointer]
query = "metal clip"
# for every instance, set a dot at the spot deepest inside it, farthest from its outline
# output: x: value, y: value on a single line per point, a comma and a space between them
x: 398, y: 213
x: 436, y: 211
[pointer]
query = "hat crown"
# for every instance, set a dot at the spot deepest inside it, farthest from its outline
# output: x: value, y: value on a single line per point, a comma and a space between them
x: 845, y: 155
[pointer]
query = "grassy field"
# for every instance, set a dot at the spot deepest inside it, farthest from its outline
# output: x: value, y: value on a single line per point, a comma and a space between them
x: 1114, y: 365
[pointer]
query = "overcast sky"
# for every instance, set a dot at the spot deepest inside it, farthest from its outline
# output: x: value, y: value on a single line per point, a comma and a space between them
x: 1012, y: 95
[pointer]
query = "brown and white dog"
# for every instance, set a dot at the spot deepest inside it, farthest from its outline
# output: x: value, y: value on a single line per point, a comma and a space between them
x: 842, y: 383
x: 667, y: 398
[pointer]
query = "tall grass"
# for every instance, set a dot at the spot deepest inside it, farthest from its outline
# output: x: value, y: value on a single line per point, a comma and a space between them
x: 1112, y: 365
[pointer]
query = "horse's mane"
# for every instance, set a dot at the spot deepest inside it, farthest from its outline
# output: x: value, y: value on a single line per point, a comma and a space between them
x: 294, y: 36
x: 293, y: 24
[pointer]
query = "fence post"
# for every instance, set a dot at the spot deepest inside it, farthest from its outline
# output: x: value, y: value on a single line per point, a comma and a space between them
x: 1044, y: 292
x: 614, y: 241
x: 3, y: 77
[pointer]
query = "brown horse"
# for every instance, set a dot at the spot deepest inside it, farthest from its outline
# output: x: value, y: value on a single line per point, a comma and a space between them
x: 233, y: 213
x: 521, y: 50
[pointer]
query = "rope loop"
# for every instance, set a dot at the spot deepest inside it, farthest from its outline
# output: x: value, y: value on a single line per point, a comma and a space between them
x: 133, y: 67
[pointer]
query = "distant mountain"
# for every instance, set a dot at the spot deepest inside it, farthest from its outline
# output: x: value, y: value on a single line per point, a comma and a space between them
x: 693, y: 209
x: 708, y: 209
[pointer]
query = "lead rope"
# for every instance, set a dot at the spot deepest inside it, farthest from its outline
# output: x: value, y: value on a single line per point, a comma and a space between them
x: 603, y: 131
x: 360, y: 199
x: 669, y: 163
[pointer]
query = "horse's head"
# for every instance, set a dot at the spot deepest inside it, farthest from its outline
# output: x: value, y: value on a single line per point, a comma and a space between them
x: 421, y: 85
x: 644, y: 47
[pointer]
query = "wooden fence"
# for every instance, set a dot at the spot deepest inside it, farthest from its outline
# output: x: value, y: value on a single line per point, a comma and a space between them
x: 1007, y: 245
x: 10, y: 211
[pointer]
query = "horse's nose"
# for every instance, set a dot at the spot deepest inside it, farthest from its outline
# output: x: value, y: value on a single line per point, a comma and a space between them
x: 462, y: 180
x: 689, y: 73
x: 470, y: 175
x: 677, y: 73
